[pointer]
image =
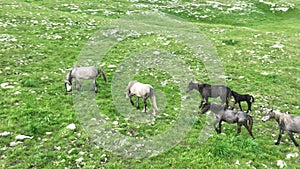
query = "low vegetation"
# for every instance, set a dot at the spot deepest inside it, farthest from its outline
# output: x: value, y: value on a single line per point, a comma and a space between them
x: 256, y: 44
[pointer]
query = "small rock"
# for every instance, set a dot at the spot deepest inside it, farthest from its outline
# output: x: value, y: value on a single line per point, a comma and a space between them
x: 13, y: 144
x: 281, y: 163
x: 22, y: 137
x: 79, y: 160
x: 115, y: 123
x: 71, y: 126
x: 5, y: 133
x: 57, y: 148
x: 6, y: 85
x: 48, y: 133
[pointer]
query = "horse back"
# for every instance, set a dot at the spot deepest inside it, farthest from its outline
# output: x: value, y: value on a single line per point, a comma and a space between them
x: 140, y: 89
x: 85, y: 72
x: 292, y: 123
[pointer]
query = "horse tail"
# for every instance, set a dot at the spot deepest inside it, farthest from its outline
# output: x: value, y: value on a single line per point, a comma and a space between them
x: 252, y: 98
x: 250, y: 121
x: 103, y: 74
x: 153, y: 99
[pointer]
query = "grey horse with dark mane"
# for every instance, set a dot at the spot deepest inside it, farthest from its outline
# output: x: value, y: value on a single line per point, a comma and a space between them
x: 214, y: 91
x: 286, y: 122
x: 229, y: 116
x: 80, y: 72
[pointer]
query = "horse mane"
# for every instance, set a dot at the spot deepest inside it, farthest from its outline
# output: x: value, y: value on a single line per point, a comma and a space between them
x: 69, y: 76
x: 130, y: 84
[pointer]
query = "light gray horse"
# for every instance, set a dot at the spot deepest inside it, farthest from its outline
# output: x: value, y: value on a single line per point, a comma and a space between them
x: 141, y: 90
x: 229, y: 116
x: 79, y: 72
x: 286, y: 122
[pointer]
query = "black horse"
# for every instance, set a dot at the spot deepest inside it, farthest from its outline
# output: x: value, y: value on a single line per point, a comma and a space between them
x: 229, y: 116
x: 242, y: 97
x: 214, y: 91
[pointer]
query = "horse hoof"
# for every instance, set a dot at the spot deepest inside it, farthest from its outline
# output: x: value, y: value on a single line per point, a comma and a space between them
x: 276, y: 143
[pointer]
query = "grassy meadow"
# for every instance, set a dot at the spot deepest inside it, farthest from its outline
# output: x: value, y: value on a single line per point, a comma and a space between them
x: 256, y: 42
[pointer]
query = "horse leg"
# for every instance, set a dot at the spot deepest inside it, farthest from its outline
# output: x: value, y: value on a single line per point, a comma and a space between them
x: 145, y: 104
x: 220, y: 126
x: 239, y: 126
x: 235, y: 102
x: 138, y: 102
x: 249, y: 106
x: 224, y: 100
x: 215, y: 125
x: 248, y: 128
x: 281, y: 131
x: 240, y: 106
x: 227, y: 102
x: 95, y: 86
x: 77, y: 81
x: 130, y: 97
x: 293, y: 139
x: 202, y: 101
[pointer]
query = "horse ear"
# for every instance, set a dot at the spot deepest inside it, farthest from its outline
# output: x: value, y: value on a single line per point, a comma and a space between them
x: 193, y: 79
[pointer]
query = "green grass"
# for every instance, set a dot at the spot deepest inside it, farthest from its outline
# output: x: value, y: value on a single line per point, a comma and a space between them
x: 41, y: 40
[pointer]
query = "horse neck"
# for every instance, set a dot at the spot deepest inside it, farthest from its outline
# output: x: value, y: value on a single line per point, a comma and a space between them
x: 130, y: 85
x: 216, y: 108
x: 199, y: 86
x: 69, y: 78
x: 234, y: 94
x: 279, y: 116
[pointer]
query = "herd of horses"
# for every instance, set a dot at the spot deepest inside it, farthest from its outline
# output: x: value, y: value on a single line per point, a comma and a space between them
x: 288, y: 123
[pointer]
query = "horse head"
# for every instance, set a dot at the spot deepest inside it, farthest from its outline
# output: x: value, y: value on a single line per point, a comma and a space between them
x: 268, y: 115
x: 205, y: 108
x: 191, y: 86
x: 68, y: 86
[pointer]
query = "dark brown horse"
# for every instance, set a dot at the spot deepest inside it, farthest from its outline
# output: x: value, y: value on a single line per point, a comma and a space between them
x: 229, y: 116
x: 286, y: 122
x: 213, y: 91
x: 242, y: 97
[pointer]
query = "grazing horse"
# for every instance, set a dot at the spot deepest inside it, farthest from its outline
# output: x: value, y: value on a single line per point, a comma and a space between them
x: 214, y: 91
x: 79, y: 72
x: 286, y: 122
x: 242, y: 97
x: 229, y: 116
x: 141, y: 90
